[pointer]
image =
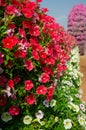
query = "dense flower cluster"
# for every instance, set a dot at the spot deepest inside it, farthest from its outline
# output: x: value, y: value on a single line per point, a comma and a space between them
x: 73, y: 109
x: 77, y: 23
x: 34, y: 50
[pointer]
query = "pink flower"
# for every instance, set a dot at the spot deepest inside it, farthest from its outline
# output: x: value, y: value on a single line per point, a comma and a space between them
x: 28, y: 84
x: 30, y: 99
x: 48, y: 51
x: 22, y: 32
x: 44, y: 78
x: 23, y: 45
x: 28, y: 64
x: 14, y: 110
x: 1, y: 58
x: 41, y: 90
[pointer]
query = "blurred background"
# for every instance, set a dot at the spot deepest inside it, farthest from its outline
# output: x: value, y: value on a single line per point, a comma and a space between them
x: 60, y: 9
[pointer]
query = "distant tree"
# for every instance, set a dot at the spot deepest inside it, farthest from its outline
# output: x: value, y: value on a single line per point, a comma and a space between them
x: 77, y: 25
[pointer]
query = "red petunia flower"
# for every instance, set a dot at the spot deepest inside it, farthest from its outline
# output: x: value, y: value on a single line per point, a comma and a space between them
x: 41, y: 90
x: 61, y: 68
x: 35, y: 30
x: 50, y: 61
x: 9, y: 42
x: 10, y: 83
x: 30, y: 99
x: 29, y: 65
x: 45, y: 10
x: 48, y: 70
x: 28, y: 84
x: 11, y: 26
x: 31, y: 6
x: 50, y: 93
x: 14, y: 110
x: 10, y: 9
x: 26, y: 24
x: 19, y: 54
x: 16, y: 79
x: 3, y: 100
x: 27, y: 13
x: 36, y: 46
x: 2, y: 3
x: 43, y: 55
x: 44, y: 78
x: 38, y: 0
x: 35, y: 55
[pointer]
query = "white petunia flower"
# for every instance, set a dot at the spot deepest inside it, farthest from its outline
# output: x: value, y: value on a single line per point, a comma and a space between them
x: 46, y: 103
x: 81, y: 121
x: 41, y: 122
x: 76, y: 108
x: 73, y: 107
x: 56, y: 119
x: 78, y: 96
x: 70, y: 98
x: 27, y: 120
x: 52, y: 103
x: 6, y: 117
x: 39, y: 115
x: 67, y: 124
x: 82, y: 107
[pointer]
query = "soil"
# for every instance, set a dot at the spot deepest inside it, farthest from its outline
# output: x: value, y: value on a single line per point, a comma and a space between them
x: 83, y: 70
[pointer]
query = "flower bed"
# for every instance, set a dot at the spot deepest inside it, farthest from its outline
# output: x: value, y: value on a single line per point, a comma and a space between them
x: 76, y: 26
x: 35, y: 52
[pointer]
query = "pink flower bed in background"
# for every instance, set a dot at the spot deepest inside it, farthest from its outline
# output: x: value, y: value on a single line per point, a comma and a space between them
x: 77, y: 23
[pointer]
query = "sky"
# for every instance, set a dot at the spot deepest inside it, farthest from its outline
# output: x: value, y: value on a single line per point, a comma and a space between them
x: 60, y: 9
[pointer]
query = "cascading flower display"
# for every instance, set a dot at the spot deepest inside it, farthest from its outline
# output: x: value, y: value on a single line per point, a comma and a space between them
x: 34, y: 51
x: 77, y: 25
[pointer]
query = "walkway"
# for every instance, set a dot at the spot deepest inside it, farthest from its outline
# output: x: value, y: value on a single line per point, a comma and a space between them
x: 83, y: 70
